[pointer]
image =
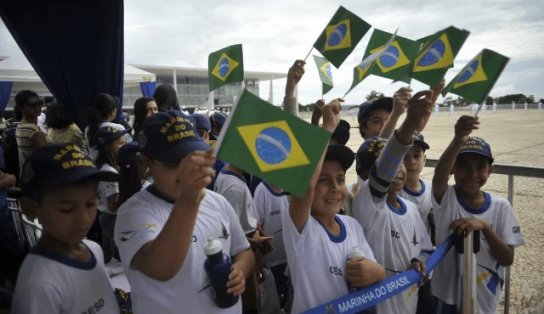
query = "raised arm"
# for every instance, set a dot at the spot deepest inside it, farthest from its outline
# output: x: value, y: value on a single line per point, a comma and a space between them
x: 463, y: 128
x: 400, y: 100
x: 388, y: 163
x: 156, y: 258
x: 300, y: 207
x: 294, y: 75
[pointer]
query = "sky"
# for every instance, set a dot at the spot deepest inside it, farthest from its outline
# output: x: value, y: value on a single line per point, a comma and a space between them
x: 276, y: 33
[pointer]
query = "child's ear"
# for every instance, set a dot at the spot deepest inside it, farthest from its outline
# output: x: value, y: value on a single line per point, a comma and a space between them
x: 490, y: 169
x: 29, y: 207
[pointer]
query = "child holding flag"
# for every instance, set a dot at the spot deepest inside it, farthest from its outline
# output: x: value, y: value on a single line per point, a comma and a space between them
x: 313, y: 232
x: 393, y: 225
x: 463, y: 208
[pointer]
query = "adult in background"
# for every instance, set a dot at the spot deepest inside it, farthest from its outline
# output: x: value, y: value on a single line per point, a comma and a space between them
x: 166, y: 97
x: 143, y: 107
x: 62, y: 128
x: 28, y: 135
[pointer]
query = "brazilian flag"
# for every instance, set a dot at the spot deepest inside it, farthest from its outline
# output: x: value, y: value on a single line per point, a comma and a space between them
x: 437, y: 54
x: 387, y: 55
x: 340, y: 36
x: 476, y: 79
x: 271, y: 144
x: 325, y: 73
x: 225, y: 66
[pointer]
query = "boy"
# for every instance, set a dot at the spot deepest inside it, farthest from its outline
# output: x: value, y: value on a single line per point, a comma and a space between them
x: 372, y: 116
x: 161, y: 231
x: 64, y: 273
x: 391, y: 224
x: 317, y: 240
x: 416, y: 190
x: 202, y: 125
x: 463, y: 208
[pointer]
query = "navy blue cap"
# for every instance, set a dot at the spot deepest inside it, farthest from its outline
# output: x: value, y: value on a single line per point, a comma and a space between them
x: 343, y: 154
x: 170, y: 136
x: 341, y: 133
x: 201, y: 122
x: 368, y: 153
x: 127, y: 153
x: 217, y: 119
x: 419, y: 139
x: 366, y: 108
x: 57, y: 165
x: 110, y: 133
x: 477, y: 145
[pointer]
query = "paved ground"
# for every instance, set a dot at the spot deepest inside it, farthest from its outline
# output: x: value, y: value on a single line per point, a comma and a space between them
x: 516, y: 138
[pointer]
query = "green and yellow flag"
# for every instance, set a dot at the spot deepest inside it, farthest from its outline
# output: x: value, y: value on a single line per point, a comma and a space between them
x: 225, y: 66
x: 271, y: 144
x: 340, y: 36
x: 384, y: 56
x: 325, y: 73
x: 475, y: 80
x: 437, y: 54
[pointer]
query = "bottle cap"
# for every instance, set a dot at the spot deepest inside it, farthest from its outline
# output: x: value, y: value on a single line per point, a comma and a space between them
x: 355, y: 252
x: 213, y: 246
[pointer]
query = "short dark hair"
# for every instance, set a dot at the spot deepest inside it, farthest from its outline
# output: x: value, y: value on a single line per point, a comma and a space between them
x: 57, y: 116
x: 23, y: 96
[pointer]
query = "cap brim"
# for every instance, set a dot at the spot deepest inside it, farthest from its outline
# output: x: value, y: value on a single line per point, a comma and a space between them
x: 423, y: 145
x: 469, y: 151
x: 175, y: 153
x: 342, y: 154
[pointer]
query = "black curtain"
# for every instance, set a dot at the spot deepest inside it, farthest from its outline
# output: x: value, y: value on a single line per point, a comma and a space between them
x: 75, y: 46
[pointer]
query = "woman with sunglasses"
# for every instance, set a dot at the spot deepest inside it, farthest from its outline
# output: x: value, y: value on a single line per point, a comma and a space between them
x: 28, y: 135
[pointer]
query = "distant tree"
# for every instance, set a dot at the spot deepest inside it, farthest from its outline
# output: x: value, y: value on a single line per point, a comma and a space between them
x: 374, y: 95
x: 517, y: 98
x: 489, y: 100
x: 531, y: 99
x: 541, y: 100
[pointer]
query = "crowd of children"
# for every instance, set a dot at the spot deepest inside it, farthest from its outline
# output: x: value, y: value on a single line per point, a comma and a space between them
x: 153, y: 203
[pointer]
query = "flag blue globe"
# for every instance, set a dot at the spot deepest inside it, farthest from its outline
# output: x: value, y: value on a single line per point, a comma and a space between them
x: 273, y: 145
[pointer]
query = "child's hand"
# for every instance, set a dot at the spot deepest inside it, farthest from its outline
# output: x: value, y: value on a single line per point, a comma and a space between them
x: 195, y: 173
x: 437, y: 90
x: 464, y: 226
x: 418, y: 265
x: 318, y: 111
x: 359, y: 272
x: 294, y: 75
x: 419, y: 110
x: 400, y: 99
x: 331, y: 114
x: 237, y: 281
x: 464, y: 127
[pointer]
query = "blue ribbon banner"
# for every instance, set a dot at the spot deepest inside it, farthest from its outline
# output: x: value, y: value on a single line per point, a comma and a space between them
x: 378, y: 292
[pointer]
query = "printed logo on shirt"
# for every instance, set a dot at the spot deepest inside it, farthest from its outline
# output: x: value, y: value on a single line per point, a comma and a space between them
x: 395, y: 234
x: 127, y: 235
x: 414, y: 239
x: 224, y: 234
x: 275, y: 212
x: 336, y: 271
x: 194, y: 238
x: 516, y: 229
x: 95, y: 308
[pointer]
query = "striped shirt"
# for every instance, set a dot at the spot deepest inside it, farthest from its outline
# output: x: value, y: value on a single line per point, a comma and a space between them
x: 23, y: 135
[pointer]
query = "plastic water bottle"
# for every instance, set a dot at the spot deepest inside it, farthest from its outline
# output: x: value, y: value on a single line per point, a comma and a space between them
x: 355, y: 253
x: 218, y: 267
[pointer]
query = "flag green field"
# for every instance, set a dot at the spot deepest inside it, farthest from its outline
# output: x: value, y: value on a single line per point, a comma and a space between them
x: 340, y: 36
x: 437, y: 54
x: 225, y: 66
x: 476, y: 79
x: 271, y: 144
x: 325, y: 73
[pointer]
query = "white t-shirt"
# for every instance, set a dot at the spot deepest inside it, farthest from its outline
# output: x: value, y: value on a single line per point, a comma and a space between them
x: 93, y: 151
x: 422, y: 200
x: 51, y: 283
x: 235, y: 190
x: 106, y: 189
x: 396, y: 236
x: 140, y: 220
x: 270, y: 206
x: 495, y: 211
x: 317, y: 259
